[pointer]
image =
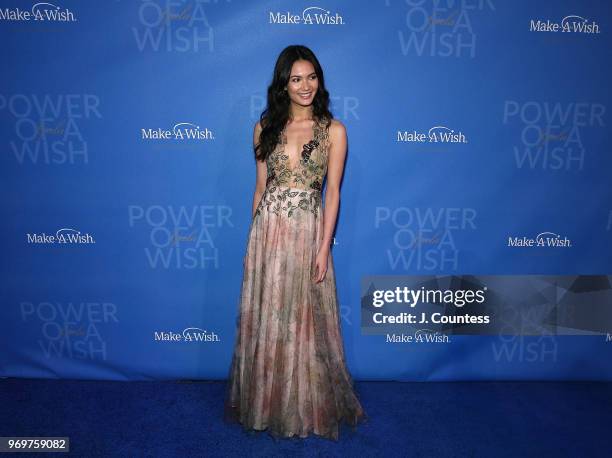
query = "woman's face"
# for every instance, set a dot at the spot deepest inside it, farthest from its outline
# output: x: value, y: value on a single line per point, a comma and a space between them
x: 303, y: 83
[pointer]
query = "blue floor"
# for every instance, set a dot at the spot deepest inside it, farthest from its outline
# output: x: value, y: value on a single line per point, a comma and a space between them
x: 463, y: 419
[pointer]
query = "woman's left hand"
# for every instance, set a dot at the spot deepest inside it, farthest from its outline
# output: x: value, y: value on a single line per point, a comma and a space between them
x: 321, y: 264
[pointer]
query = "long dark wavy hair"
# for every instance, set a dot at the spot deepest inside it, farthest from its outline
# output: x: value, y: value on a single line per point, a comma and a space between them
x: 276, y: 114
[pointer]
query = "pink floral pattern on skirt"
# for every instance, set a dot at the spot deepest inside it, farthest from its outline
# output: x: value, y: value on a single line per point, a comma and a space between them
x: 288, y: 373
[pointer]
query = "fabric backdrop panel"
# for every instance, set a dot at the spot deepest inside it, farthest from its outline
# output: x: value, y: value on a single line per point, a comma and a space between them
x: 474, y: 127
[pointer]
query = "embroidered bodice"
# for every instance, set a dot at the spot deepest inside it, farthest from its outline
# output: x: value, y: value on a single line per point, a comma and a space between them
x: 311, y: 167
x: 292, y: 187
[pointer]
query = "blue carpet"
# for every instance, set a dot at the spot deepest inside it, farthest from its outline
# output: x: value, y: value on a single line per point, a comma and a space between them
x: 465, y: 419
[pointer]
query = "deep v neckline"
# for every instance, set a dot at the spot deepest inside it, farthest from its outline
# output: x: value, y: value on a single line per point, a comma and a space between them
x: 306, y: 149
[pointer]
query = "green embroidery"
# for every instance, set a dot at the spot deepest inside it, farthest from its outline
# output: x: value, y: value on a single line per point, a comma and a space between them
x: 290, y: 190
x: 279, y: 200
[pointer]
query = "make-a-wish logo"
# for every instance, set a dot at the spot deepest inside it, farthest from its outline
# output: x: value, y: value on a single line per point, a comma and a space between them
x: 312, y: 15
x: 65, y: 235
x: 437, y: 134
x: 187, y: 335
x: 42, y: 12
x: 569, y: 24
x: 543, y: 239
x: 419, y: 336
x: 180, y: 131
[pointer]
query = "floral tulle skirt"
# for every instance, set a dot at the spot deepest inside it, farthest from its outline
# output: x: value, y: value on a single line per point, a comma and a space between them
x: 288, y: 373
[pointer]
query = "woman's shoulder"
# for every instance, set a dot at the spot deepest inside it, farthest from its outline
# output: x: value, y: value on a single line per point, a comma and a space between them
x: 336, y: 123
x: 336, y: 128
x: 332, y: 123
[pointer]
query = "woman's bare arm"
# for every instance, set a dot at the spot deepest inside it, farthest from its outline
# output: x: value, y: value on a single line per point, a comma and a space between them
x: 335, y: 168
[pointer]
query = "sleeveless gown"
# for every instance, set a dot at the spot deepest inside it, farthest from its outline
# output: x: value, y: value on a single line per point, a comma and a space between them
x: 288, y: 373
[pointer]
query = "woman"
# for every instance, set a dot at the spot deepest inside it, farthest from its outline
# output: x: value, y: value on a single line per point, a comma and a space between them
x: 288, y: 373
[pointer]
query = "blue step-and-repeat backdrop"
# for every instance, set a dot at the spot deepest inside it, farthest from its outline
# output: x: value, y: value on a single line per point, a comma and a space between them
x: 474, y: 238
